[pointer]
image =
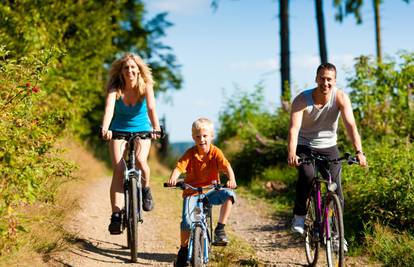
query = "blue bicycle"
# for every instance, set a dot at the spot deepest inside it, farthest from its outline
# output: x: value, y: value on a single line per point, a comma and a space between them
x: 200, y: 242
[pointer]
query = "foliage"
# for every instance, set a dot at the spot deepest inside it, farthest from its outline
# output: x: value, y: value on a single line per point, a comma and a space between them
x: 28, y: 129
x: 383, y: 97
x: 383, y: 193
x: 53, y: 61
x: 392, y: 248
x: 254, y: 137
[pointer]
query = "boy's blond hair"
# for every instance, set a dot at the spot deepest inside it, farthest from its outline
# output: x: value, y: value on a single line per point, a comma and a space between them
x: 202, y: 124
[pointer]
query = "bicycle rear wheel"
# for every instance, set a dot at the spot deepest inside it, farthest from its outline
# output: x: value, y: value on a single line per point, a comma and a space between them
x: 334, y: 233
x: 312, y: 231
x: 133, y: 219
x: 198, y: 248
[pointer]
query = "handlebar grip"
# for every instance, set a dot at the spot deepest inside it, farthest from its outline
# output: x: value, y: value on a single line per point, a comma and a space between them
x: 177, y: 185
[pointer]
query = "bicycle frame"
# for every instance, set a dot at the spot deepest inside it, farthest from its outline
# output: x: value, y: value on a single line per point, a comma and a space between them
x: 131, y: 172
x: 325, y: 212
x: 200, y: 220
x: 322, y: 212
x: 132, y: 211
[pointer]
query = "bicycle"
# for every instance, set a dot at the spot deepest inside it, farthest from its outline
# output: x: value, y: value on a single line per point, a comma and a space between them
x: 324, y: 222
x: 201, y: 228
x: 132, y: 213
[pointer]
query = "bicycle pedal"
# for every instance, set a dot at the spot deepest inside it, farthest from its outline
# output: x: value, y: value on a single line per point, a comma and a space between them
x: 115, y: 232
x: 220, y: 244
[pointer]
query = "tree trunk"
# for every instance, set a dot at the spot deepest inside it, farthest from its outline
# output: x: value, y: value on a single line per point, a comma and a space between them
x: 284, y: 51
x: 378, y: 29
x: 321, y: 31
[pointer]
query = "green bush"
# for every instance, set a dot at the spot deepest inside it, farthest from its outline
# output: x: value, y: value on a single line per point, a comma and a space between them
x: 392, y: 248
x: 29, y: 126
x: 254, y: 137
x: 383, y: 192
x: 383, y: 96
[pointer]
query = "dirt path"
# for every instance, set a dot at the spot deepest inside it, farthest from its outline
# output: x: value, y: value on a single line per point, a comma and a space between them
x: 251, y: 221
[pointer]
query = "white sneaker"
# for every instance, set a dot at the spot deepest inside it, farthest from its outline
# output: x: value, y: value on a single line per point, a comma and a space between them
x: 335, y: 244
x: 298, y: 224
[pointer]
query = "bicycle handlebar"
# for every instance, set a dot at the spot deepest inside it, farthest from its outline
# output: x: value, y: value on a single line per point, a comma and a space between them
x: 323, y: 159
x: 132, y: 135
x: 184, y: 186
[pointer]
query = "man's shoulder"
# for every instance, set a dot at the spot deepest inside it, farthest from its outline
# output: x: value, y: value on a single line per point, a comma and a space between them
x: 300, y: 102
x: 341, y: 97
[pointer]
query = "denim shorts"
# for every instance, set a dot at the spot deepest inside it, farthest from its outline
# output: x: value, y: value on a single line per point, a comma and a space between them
x: 215, y: 197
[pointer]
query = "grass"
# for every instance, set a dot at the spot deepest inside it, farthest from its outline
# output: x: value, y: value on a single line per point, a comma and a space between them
x: 390, y: 247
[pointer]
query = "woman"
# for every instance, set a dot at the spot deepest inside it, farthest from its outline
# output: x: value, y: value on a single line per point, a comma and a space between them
x: 130, y: 107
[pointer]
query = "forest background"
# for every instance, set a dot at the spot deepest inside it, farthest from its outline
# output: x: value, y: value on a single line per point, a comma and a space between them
x: 54, y: 61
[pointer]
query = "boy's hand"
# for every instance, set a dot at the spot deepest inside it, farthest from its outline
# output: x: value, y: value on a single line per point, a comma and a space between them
x: 172, y: 181
x: 231, y: 184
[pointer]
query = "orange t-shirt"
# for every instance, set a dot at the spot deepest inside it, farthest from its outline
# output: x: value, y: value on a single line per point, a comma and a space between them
x: 201, y: 171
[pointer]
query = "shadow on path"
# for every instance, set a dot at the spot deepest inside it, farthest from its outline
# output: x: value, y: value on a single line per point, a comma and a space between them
x: 94, y: 249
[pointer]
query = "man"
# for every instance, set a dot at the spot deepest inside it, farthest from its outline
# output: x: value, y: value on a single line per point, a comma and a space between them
x: 313, y: 126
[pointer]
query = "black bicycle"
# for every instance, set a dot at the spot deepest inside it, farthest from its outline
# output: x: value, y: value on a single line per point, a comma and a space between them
x: 132, y: 213
x: 324, y: 222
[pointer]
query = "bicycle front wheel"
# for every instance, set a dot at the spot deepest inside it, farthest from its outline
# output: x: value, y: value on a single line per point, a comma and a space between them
x: 312, y: 231
x: 198, y: 248
x: 133, y: 219
x: 334, y: 232
x: 209, y: 229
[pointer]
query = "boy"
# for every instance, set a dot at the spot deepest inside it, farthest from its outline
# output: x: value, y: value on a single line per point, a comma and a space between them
x: 202, y: 163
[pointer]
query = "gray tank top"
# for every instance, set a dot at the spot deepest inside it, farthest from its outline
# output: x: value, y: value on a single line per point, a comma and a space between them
x: 319, y: 126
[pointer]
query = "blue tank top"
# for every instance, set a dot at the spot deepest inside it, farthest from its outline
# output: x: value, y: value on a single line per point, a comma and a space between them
x: 130, y: 118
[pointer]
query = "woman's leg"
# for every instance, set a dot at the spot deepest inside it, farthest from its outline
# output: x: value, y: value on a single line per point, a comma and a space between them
x: 142, y: 152
x: 116, y: 149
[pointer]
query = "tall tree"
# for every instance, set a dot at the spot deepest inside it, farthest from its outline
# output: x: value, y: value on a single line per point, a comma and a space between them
x: 320, y: 19
x: 345, y: 7
x: 284, y: 51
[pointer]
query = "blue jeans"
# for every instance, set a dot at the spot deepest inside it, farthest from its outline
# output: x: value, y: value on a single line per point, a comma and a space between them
x: 215, y: 197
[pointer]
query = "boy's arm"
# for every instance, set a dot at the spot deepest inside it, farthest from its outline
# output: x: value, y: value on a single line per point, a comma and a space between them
x: 173, y: 177
x: 231, y: 182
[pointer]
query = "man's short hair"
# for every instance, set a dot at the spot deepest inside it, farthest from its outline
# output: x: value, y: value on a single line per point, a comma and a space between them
x: 326, y: 66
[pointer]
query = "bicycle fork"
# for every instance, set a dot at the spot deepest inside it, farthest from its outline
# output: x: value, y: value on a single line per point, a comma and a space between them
x: 205, y: 243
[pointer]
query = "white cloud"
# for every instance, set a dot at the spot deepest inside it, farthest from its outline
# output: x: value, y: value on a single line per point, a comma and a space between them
x: 184, y: 7
x: 264, y: 65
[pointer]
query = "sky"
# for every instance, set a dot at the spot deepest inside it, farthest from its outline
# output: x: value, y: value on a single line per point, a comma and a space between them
x: 236, y: 47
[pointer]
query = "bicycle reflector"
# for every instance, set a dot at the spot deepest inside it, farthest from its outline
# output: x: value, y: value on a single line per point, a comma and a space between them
x: 197, y: 214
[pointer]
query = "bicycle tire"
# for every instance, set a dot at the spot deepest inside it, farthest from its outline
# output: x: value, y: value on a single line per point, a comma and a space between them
x: 133, y: 218
x: 312, y: 240
x: 126, y: 216
x: 209, y: 219
x: 198, y: 248
x: 335, y: 232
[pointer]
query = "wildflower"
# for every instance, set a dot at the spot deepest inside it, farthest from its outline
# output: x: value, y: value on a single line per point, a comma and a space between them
x: 27, y: 84
x: 35, y: 89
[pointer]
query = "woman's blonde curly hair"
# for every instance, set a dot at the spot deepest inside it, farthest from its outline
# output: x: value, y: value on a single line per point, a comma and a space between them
x: 116, y: 80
